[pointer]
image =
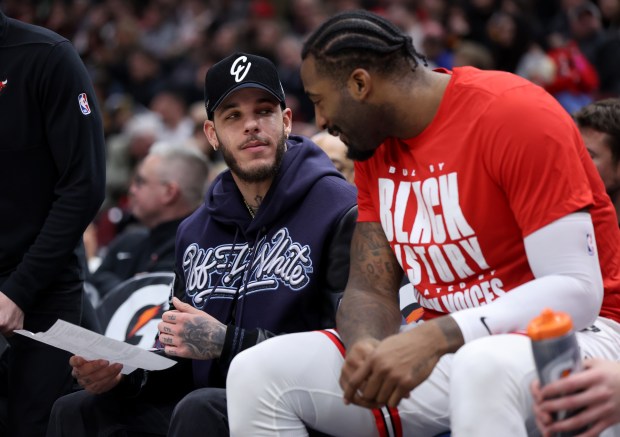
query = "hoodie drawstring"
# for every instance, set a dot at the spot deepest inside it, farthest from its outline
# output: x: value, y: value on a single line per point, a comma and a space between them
x: 242, y: 291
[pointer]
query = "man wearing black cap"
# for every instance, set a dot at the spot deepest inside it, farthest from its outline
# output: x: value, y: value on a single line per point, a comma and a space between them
x: 266, y: 253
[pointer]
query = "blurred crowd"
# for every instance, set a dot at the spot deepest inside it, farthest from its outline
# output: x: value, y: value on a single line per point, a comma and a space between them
x: 148, y: 58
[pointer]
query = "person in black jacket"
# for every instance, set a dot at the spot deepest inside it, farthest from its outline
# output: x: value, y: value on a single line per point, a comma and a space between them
x: 169, y: 185
x: 267, y: 253
x: 52, y: 174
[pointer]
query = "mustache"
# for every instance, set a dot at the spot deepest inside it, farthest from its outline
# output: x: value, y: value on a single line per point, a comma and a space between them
x: 255, y: 138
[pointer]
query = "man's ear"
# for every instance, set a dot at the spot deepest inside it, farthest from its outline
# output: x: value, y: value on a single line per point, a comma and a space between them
x: 172, y: 192
x: 359, y: 84
x: 209, y: 130
x: 287, y: 119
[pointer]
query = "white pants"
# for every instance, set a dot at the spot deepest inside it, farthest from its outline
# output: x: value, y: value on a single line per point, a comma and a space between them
x: 282, y: 385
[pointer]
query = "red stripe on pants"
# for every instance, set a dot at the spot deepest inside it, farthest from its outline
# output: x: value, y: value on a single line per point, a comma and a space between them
x: 379, y: 420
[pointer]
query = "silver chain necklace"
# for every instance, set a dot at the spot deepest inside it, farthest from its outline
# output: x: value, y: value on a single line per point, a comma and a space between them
x: 250, y: 210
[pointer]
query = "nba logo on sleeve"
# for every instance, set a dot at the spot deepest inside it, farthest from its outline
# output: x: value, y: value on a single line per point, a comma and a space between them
x: 84, y: 106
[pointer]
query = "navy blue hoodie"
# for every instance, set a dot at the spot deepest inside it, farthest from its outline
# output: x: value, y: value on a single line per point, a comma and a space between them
x: 278, y: 272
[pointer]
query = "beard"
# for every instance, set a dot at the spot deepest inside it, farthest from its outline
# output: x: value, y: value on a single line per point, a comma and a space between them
x: 259, y: 174
x: 361, y: 148
x: 358, y: 155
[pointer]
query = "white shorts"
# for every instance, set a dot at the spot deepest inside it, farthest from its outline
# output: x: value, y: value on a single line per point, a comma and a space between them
x: 290, y: 382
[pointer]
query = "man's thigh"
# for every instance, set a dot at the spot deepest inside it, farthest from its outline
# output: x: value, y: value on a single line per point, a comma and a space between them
x: 601, y: 340
x: 82, y: 414
x: 300, y: 390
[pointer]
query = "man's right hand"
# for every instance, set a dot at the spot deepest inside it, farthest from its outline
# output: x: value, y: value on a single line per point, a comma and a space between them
x: 385, y: 373
x: 593, y: 392
x: 354, y: 360
x: 96, y: 376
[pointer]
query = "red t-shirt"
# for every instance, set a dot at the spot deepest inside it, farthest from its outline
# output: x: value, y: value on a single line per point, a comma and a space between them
x: 500, y: 160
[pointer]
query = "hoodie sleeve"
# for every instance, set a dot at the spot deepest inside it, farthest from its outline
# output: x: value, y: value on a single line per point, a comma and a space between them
x: 238, y: 339
x: 338, y: 258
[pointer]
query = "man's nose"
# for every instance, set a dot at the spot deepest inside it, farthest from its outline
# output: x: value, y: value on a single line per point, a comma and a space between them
x: 319, y: 120
x: 251, y: 125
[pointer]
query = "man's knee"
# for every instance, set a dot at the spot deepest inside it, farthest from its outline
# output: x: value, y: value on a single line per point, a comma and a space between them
x: 491, y: 359
x: 71, y: 415
x: 259, y: 363
x: 201, y: 402
x: 201, y: 409
x: 71, y: 406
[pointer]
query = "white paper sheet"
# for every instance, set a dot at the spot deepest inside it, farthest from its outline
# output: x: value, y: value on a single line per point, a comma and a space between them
x: 93, y: 346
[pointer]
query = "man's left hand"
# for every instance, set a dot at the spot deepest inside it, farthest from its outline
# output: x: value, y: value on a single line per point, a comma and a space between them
x: 403, y: 361
x: 191, y: 333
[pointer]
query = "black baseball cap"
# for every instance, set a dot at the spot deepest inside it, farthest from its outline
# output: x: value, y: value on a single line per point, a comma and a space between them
x: 237, y: 71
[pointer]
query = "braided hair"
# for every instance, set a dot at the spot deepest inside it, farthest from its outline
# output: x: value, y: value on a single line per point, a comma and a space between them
x: 360, y: 39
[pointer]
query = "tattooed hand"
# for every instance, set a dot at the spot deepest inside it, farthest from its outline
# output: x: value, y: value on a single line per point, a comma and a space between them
x: 386, y: 372
x: 191, y: 333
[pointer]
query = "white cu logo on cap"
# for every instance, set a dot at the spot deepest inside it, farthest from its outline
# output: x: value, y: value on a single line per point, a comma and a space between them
x: 236, y: 70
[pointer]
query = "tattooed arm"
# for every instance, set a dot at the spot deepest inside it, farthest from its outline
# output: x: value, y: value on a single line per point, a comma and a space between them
x: 191, y: 333
x: 382, y: 365
x: 370, y: 308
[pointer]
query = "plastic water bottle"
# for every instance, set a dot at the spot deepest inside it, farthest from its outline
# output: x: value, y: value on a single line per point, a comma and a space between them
x: 556, y: 352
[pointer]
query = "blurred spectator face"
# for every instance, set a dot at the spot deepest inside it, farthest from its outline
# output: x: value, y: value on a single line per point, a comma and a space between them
x: 585, y: 20
x: 148, y: 192
x: 127, y: 34
x: 198, y: 114
x: 142, y: 67
x: 433, y: 44
x: 473, y: 54
x: 336, y: 150
x: 610, y: 9
x: 483, y: 4
x: 142, y: 131
x: 169, y: 106
x: 434, y: 8
x: 306, y: 15
x: 267, y: 35
x: 501, y: 29
x: 225, y: 40
x: 289, y: 52
x: 140, y: 144
x: 569, y: 4
x: 456, y: 22
x: 607, y: 166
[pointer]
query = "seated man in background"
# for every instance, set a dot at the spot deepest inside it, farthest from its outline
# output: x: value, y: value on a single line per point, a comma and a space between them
x: 599, y: 125
x: 168, y: 186
x: 267, y: 253
x: 337, y: 152
x: 595, y: 392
